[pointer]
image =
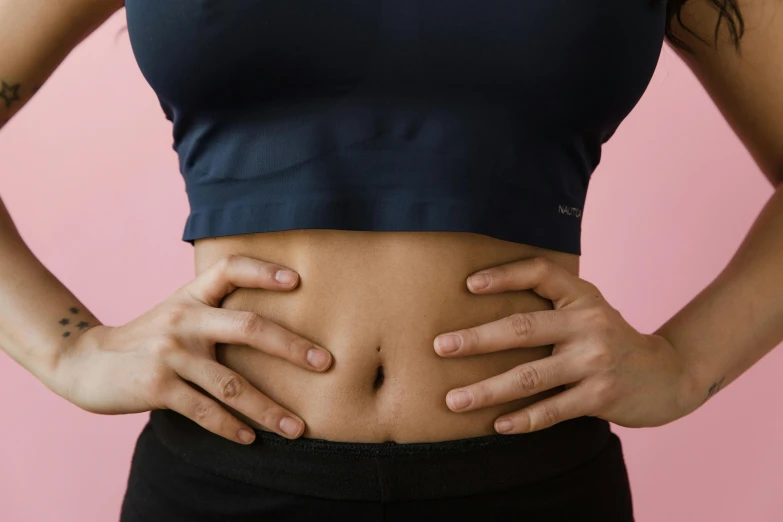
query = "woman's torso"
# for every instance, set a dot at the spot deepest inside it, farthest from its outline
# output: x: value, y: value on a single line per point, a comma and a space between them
x: 329, y: 136
x: 379, y: 299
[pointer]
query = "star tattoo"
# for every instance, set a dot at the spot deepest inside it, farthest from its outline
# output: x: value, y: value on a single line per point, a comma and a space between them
x: 64, y: 321
x: 73, y: 310
x: 9, y: 93
x: 82, y: 325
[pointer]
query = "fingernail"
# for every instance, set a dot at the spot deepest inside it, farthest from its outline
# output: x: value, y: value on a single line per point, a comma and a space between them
x: 246, y: 436
x: 478, y: 281
x: 285, y: 277
x: 317, y: 358
x: 448, y: 343
x: 503, y: 426
x: 290, y: 426
x: 460, y: 399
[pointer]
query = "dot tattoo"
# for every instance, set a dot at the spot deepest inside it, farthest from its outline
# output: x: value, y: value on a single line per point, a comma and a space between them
x: 65, y: 322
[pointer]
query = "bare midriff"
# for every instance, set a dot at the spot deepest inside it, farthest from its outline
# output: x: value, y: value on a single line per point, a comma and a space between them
x: 376, y: 301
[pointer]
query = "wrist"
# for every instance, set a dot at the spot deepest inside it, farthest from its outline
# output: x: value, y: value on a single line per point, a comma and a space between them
x: 694, y: 378
x: 62, y: 375
x: 692, y: 388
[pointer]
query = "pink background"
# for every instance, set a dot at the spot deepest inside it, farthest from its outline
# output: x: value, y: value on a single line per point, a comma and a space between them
x: 89, y: 176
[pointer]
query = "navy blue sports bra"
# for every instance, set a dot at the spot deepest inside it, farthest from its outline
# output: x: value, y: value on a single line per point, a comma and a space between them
x: 482, y: 116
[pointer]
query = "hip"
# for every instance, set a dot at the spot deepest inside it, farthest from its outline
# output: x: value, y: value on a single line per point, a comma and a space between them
x: 572, y: 471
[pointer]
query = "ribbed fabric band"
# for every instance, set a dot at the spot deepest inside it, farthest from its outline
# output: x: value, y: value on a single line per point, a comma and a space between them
x: 386, y: 471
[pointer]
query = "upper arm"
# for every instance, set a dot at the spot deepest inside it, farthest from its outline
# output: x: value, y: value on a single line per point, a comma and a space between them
x: 746, y: 86
x: 35, y: 37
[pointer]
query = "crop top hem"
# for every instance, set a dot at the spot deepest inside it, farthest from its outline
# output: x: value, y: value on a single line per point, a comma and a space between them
x: 545, y: 227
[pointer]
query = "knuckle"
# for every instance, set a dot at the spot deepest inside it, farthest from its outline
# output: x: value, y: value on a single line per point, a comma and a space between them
x: 591, y: 288
x: 542, y: 266
x: 165, y: 345
x: 269, y: 417
x: 225, y: 263
x: 604, y: 391
x: 230, y: 387
x: 550, y: 415
x: 606, y: 329
x: 297, y: 345
x: 470, y: 338
x: 202, y: 411
x: 174, y: 315
x: 600, y: 358
x: 248, y: 323
x: 520, y: 324
x: 526, y: 379
x: 605, y: 319
x: 601, y: 320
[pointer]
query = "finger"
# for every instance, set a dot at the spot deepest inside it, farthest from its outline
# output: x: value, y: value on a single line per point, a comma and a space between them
x: 544, y: 277
x: 241, y: 327
x: 234, y: 390
x: 232, y: 272
x: 569, y: 404
x: 206, y: 412
x: 521, y: 330
x: 523, y: 381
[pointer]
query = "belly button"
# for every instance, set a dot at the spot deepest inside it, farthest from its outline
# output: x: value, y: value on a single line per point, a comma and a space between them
x: 378, y: 378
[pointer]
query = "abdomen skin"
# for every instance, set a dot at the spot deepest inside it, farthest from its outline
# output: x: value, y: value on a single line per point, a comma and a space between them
x: 378, y: 299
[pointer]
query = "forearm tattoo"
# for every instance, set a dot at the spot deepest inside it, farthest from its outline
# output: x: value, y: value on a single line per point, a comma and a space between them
x: 9, y: 92
x: 715, y: 388
x: 71, y: 323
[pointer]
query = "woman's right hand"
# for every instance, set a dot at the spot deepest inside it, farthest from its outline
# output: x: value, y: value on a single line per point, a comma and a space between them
x: 148, y: 363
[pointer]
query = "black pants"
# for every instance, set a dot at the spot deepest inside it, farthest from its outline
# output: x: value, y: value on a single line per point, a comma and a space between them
x: 181, y: 472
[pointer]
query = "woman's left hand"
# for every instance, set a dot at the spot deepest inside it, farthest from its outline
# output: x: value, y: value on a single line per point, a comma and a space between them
x: 608, y: 368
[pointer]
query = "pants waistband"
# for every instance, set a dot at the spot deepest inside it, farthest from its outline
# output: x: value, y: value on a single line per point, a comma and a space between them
x: 387, y: 471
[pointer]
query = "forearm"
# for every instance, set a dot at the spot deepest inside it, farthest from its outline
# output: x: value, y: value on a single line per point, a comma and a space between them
x: 738, y: 318
x: 35, y: 37
x: 39, y: 316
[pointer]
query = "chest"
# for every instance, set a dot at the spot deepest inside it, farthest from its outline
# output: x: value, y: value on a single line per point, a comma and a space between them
x: 586, y: 54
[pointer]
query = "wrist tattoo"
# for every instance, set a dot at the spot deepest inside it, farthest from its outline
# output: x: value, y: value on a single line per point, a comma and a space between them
x: 81, y: 325
x: 9, y: 93
x: 715, y: 388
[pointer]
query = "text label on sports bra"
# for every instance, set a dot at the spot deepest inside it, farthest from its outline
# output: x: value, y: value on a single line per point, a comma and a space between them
x: 569, y: 211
